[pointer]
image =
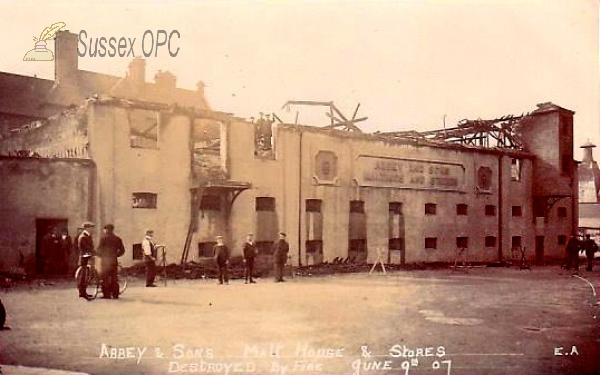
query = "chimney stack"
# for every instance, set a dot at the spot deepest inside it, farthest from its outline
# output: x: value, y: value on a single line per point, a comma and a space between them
x: 65, y: 56
x: 137, y: 70
x: 165, y: 81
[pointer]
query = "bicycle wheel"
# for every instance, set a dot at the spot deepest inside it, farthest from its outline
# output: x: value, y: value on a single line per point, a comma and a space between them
x: 88, y: 276
x: 93, y: 286
x: 121, y: 279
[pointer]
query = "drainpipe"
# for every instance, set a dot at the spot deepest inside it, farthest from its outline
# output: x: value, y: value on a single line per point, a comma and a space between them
x: 300, y: 202
x: 92, y: 189
x: 575, y: 198
x: 500, y: 207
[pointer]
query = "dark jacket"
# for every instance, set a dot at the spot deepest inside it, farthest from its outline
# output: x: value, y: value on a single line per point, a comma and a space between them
x: 573, y: 246
x: 110, y: 248
x: 221, y: 253
x: 85, y: 244
x: 589, y: 246
x: 50, y: 246
x: 280, y: 250
x: 66, y: 244
x: 250, y: 250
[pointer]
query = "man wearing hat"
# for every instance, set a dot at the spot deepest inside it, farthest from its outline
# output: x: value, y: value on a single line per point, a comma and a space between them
x: 572, y: 249
x: 590, y: 248
x: 221, y: 255
x: 250, y: 251
x: 149, y: 257
x: 110, y: 248
x: 65, y: 244
x: 280, y: 253
x: 85, y: 243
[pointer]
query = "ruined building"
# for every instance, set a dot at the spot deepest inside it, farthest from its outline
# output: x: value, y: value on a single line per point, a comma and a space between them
x: 191, y: 173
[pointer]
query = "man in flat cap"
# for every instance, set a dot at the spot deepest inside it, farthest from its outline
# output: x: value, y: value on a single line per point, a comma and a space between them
x: 109, y: 249
x: 149, y: 257
x: 221, y: 255
x: 280, y: 253
x: 85, y: 243
x: 250, y: 251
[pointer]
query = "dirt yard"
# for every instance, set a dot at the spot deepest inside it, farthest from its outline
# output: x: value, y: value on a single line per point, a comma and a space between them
x: 436, y: 322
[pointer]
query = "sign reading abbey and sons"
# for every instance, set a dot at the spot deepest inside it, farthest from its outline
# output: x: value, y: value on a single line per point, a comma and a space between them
x: 409, y: 173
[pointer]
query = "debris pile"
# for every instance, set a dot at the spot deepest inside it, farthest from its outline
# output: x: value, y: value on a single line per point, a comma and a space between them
x: 206, y: 268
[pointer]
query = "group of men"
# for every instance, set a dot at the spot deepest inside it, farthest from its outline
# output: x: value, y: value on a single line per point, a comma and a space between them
x: 221, y: 253
x: 574, y: 246
x: 55, y: 253
x: 109, y: 249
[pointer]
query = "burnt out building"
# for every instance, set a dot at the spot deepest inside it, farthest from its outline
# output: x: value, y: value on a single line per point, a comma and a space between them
x: 336, y: 193
x: 49, y: 175
x: 142, y: 160
x: 491, y: 187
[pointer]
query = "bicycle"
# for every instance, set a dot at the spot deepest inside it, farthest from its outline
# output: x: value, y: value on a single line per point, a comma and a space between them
x: 93, y: 281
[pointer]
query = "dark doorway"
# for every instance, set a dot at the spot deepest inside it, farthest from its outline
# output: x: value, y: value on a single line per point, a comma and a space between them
x: 396, y: 249
x: 539, y: 250
x: 47, y: 232
x: 357, y: 233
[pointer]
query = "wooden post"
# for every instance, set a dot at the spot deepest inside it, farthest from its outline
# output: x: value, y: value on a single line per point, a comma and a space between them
x: 380, y: 261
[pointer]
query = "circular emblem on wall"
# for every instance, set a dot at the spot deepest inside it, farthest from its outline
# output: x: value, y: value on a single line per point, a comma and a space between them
x: 326, y: 165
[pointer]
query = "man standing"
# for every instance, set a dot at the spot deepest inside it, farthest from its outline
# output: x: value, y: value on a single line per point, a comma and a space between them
x: 85, y: 243
x: 250, y: 252
x: 221, y: 255
x: 48, y: 258
x: 590, y: 248
x: 149, y: 258
x: 572, y: 250
x: 65, y: 244
x: 110, y: 248
x: 280, y: 253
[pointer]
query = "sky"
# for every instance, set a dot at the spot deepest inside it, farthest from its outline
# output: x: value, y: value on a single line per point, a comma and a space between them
x: 410, y: 64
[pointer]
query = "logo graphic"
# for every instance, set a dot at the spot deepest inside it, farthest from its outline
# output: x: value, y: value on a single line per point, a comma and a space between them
x: 40, y: 52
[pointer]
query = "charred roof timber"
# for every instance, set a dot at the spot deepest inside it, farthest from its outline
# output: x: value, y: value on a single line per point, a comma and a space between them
x: 501, y: 132
x: 337, y: 118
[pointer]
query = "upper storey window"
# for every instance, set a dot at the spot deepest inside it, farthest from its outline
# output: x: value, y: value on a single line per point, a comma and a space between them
x: 143, y: 128
x: 484, y: 178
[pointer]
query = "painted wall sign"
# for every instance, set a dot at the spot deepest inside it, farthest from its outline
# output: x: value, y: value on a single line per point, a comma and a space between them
x: 409, y: 173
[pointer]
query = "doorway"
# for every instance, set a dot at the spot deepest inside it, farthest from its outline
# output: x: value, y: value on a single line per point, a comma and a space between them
x: 46, y: 231
x: 396, y: 248
x: 539, y: 250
